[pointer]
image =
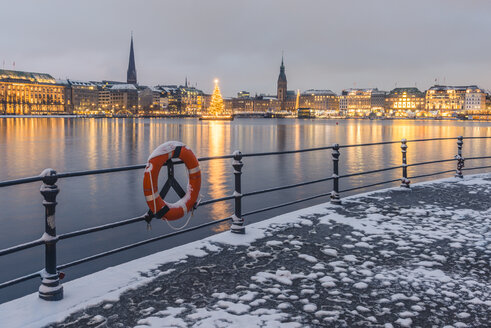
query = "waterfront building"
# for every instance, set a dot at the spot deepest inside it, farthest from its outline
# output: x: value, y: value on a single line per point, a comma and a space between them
x: 404, y: 102
x: 264, y: 103
x: 148, y: 101
x: 244, y: 94
x: 475, y: 99
x: 321, y: 101
x: 81, y: 97
x: 445, y: 100
x: 182, y: 99
x: 477, y: 104
x: 23, y: 93
x: 243, y: 102
x: 124, y: 99
x: 343, y: 103
x: 363, y: 102
x: 104, y: 96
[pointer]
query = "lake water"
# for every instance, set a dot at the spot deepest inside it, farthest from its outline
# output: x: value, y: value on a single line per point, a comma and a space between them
x: 29, y: 145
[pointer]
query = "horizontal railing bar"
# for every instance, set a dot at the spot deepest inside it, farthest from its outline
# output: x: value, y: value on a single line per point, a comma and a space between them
x: 20, y: 181
x: 484, y: 137
x: 286, y: 152
x: 432, y: 162
x: 476, y: 168
x: 413, y: 140
x: 431, y: 174
x: 285, y: 187
x: 101, y: 171
x: 370, y: 144
x: 433, y: 139
x: 480, y: 157
x: 20, y: 279
x: 101, y: 227
x: 369, y: 172
x: 370, y: 185
x: 286, y: 204
x: 21, y: 247
x: 140, y: 243
x: 211, y: 201
x: 204, y: 159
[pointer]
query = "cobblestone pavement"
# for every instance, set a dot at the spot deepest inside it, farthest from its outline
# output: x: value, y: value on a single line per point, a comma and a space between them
x: 397, y: 258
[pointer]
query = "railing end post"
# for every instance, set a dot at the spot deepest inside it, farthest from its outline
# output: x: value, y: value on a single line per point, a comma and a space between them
x: 460, y: 159
x: 51, y: 288
x: 405, y: 182
x: 335, y: 198
x: 237, y: 220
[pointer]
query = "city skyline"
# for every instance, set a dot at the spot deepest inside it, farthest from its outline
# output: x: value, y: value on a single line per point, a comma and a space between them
x: 326, y: 46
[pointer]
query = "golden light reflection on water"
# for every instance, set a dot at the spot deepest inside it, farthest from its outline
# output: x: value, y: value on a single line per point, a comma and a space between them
x: 216, y: 171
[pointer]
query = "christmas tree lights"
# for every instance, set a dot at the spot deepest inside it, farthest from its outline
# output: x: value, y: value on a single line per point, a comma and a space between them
x: 216, y: 107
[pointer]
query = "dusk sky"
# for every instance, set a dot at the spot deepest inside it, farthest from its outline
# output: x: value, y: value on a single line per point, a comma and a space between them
x: 327, y: 44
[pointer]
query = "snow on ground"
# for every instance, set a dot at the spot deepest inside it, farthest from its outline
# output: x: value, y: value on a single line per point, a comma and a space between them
x: 394, y: 258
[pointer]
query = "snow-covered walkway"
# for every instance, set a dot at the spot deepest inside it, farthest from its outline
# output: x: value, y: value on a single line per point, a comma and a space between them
x: 394, y: 258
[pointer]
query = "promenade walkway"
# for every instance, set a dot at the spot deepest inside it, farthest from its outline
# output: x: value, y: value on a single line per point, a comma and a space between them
x: 393, y: 258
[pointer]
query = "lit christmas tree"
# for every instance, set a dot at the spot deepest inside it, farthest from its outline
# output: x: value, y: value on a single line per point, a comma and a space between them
x: 216, y: 105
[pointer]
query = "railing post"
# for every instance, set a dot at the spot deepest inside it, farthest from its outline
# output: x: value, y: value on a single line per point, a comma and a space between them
x: 460, y: 159
x: 335, y: 199
x: 237, y: 220
x: 51, y: 288
x: 404, y: 181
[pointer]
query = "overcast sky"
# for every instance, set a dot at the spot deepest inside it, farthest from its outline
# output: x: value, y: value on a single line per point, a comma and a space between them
x: 327, y: 44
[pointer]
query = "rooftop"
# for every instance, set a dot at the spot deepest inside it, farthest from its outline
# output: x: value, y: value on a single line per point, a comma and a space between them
x: 9, y: 75
x: 123, y: 87
x: 318, y: 92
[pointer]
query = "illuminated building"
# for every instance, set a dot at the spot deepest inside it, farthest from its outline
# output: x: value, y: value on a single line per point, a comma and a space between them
x: 181, y: 99
x: 263, y: 103
x: 475, y: 99
x: 403, y: 102
x: 343, y: 103
x: 149, y: 101
x: 244, y: 94
x: 363, y: 102
x: 320, y: 101
x: 103, y: 89
x: 24, y: 93
x: 82, y: 97
x: 124, y: 99
x: 445, y: 100
x: 243, y: 102
x: 477, y: 104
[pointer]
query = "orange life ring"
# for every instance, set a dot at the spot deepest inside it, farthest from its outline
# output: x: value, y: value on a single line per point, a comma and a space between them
x: 163, y: 153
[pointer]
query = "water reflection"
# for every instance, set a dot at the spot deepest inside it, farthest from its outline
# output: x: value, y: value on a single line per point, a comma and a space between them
x: 216, y: 171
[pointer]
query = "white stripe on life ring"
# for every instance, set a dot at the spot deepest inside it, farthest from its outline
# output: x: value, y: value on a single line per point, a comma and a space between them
x: 194, y: 170
x: 152, y: 197
x: 184, y: 208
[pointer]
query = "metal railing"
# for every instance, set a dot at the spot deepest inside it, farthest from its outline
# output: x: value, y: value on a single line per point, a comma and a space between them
x: 51, y: 288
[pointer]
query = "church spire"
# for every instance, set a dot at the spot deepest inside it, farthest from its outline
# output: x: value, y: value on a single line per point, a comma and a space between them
x: 131, y: 74
x: 282, y: 85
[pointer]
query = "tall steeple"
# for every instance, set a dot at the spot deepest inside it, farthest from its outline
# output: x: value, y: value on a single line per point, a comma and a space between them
x: 282, y: 85
x: 131, y: 74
